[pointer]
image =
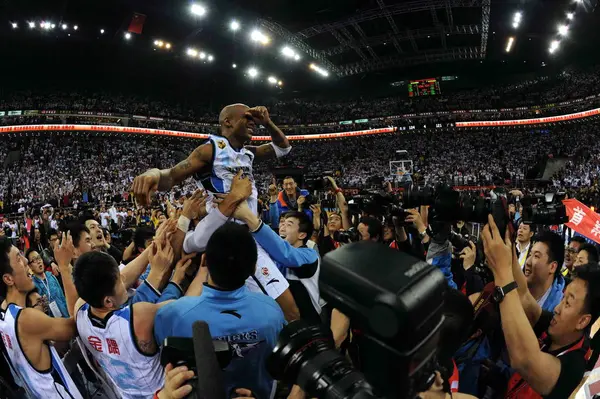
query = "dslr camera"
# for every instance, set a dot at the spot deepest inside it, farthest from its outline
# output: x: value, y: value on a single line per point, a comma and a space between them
x: 395, y: 301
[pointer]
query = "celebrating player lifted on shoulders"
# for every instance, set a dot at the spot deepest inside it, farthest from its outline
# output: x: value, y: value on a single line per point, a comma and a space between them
x: 237, y: 125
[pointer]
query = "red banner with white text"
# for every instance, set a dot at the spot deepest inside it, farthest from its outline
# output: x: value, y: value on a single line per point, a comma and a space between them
x: 583, y: 220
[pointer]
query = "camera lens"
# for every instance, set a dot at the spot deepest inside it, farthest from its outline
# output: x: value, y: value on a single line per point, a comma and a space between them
x: 305, y: 355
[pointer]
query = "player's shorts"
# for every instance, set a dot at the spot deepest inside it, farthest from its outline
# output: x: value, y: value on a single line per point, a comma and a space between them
x: 267, y: 277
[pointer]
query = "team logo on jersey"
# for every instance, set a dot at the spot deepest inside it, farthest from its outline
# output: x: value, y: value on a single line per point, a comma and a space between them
x: 221, y: 144
x: 265, y: 271
x: 241, y: 349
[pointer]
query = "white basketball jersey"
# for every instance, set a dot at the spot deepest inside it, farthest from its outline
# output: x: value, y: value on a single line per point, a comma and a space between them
x: 226, y: 164
x: 54, y: 383
x: 111, y: 342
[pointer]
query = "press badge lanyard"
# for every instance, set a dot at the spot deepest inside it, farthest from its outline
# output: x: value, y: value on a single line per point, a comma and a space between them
x: 47, y: 285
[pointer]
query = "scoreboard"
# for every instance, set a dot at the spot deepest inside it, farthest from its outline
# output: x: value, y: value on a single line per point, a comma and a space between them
x: 424, y: 87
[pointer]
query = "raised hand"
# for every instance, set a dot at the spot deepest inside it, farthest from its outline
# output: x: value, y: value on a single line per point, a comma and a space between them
x: 145, y: 185
x: 65, y: 252
x: 182, y: 266
x: 301, y: 201
x: 498, y: 250
x: 161, y: 256
x: 241, y: 187
x: 195, y: 206
x: 414, y: 217
x: 468, y: 255
x: 260, y: 115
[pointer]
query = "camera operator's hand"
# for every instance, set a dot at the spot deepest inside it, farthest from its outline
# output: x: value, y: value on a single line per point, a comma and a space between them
x: 415, y: 219
x: 316, y: 209
x: 195, y: 206
x: 174, y: 380
x: 468, y: 255
x: 301, y: 202
x: 334, y: 185
x: 498, y: 252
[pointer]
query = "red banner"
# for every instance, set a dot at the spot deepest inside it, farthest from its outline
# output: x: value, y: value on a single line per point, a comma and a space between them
x: 583, y: 220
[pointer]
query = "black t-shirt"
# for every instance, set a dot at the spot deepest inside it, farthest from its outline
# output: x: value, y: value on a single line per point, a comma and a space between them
x: 572, y: 364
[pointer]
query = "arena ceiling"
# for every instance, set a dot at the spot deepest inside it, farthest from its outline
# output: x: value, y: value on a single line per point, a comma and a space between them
x: 357, y: 42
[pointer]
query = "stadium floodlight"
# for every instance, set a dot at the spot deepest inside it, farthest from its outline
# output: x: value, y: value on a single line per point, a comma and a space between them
x: 252, y: 72
x: 234, y: 25
x: 198, y: 10
x: 319, y: 70
x: 563, y: 30
x: 509, y: 44
x: 127, y: 35
x: 258, y: 36
x: 14, y: 25
x: 192, y: 52
x: 31, y: 25
x: 202, y: 55
x: 64, y: 27
x: 234, y: 66
x: 210, y: 58
x: 570, y: 16
x: 554, y: 46
x: 168, y: 46
x: 272, y: 80
x: 75, y: 27
x: 290, y: 53
x: 517, y: 18
x: 101, y: 31
x: 297, y: 57
x: 53, y: 26
x: 280, y: 83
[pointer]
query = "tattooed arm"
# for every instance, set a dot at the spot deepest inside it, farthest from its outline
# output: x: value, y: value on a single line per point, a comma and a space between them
x: 143, y: 326
x: 152, y: 180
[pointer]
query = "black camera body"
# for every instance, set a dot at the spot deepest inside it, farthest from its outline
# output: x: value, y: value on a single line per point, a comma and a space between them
x: 395, y: 300
x: 346, y: 236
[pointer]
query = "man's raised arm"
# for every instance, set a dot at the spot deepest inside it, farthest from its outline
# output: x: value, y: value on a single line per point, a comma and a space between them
x: 152, y: 180
x: 279, y: 146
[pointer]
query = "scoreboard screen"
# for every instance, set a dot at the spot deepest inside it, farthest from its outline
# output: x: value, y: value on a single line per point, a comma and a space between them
x: 424, y: 87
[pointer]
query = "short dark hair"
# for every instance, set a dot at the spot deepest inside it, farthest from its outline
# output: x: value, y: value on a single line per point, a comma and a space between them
x: 95, y: 275
x: 592, y: 252
x: 29, y: 251
x: 229, y: 268
x: 590, y: 272
x: 141, y: 235
x: 556, y: 248
x: 52, y: 232
x: 373, y: 225
x: 5, y: 267
x: 289, y: 177
x: 304, y: 223
x: 77, y: 229
x: 578, y: 239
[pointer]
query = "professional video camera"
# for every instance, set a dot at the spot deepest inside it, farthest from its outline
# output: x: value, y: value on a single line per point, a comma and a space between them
x: 545, y: 209
x: 374, y: 203
x: 395, y: 300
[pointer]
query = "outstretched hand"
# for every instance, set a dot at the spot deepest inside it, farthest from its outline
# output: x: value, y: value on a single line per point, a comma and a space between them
x: 65, y: 252
x: 498, y: 250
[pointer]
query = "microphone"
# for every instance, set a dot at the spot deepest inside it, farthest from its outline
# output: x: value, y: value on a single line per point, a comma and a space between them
x: 210, y: 383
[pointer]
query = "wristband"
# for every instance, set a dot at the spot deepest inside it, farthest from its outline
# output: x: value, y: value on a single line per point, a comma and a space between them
x: 183, y: 224
x: 258, y: 228
x: 280, y: 152
x: 338, y: 190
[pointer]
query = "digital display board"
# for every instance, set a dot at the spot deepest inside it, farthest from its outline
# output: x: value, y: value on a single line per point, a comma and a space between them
x: 424, y: 87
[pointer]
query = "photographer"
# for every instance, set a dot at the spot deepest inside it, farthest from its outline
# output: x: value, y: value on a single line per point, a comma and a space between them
x: 552, y: 366
x: 334, y: 221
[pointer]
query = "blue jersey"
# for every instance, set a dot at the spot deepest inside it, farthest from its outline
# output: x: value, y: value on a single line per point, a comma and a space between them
x: 249, y: 321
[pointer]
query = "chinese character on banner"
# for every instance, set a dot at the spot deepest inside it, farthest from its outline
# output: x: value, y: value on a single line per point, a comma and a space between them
x: 96, y: 343
x: 113, y: 348
x: 582, y: 219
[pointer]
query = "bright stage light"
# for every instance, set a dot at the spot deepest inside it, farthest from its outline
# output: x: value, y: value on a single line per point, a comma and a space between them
x: 253, y: 72
x: 14, y: 25
x: 197, y: 9
x: 64, y: 26
x: 202, y: 55
x: 258, y: 36
x: 75, y: 27
x: 570, y: 16
x: 127, y: 36
x: 554, y: 46
x: 272, y: 80
x: 168, y: 46
x: 101, y: 31
x: 234, y: 66
x: 192, y: 52
x: 319, y: 70
x: 210, y: 58
x: 290, y: 53
x: 234, y: 25
x: 518, y: 17
x: 509, y: 44
x: 297, y: 57
x: 563, y: 30
x: 280, y: 83
x: 53, y: 26
x: 32, y: 25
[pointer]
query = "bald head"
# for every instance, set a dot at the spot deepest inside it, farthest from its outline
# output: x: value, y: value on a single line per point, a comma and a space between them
x: 235, y: 124
x: 233, y: 111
